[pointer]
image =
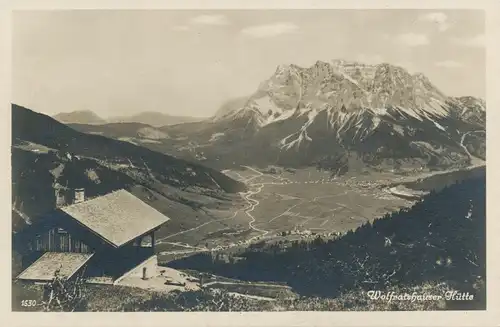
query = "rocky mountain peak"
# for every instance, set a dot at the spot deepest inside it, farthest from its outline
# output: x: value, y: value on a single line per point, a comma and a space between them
x: 352, y: 100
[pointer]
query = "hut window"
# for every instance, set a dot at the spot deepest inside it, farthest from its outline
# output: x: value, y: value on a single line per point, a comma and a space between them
x: 77, y: 246
x: 147, y: 241
x: 63, y: 241
x: 84, y: 248
x: 38, y: 243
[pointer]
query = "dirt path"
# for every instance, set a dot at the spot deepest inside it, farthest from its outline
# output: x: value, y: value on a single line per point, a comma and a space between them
x: 161, y: 240
x: 186, y: 246
x: 472, y: 158
x: 462, y: 143
x: 252, y: 284
x: 286, y: 211
x: 253, y: 203
x: 254, y: 297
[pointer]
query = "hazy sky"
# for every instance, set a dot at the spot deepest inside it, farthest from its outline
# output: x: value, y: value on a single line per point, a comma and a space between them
x: 190, y: 62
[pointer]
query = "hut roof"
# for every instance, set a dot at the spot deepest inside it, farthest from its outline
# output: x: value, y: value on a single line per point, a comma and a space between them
x: 118, y: 217
x: 44, y: 269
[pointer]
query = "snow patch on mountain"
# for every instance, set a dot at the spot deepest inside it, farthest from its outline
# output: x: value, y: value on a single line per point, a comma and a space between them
x: 439, y: 126
x: 216, y: 136
x: 399, y: 129
x: 270, y: 112
x: 267, y: 106
x: 301, y: 134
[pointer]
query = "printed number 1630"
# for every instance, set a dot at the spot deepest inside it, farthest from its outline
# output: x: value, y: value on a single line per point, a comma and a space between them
x: 28, y: 303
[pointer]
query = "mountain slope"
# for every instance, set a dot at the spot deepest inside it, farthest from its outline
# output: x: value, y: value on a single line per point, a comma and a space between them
x: 342, y: 114
x: 135, y: 133
x: 79, y: 117
x: 48, y: 155
x: 230, y: 106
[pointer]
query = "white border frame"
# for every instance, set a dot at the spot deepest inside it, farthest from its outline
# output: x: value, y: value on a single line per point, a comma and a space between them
x: 490, y: 317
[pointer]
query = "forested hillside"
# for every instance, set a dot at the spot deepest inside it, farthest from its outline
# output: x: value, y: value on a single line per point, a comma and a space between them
x: 33, y: 127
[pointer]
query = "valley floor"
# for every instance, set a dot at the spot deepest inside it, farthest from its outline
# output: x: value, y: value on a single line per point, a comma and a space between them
x: 296, y: 205
x: 291, y: 205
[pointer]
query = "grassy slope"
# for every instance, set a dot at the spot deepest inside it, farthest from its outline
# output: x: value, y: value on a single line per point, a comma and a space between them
x: 114, y: 130
x: 103, y: 298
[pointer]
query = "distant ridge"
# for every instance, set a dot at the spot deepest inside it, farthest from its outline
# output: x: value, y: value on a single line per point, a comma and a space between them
x: 79, y: 117
x: 153, y: 118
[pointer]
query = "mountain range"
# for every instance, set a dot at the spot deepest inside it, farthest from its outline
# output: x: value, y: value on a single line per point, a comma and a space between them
x: 155, y: 119
x: 344, y: 115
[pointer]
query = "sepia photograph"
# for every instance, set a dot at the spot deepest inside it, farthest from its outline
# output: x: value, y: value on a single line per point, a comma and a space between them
x: 269, y: 160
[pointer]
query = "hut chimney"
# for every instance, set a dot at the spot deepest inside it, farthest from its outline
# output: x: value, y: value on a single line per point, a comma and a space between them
x: 79, y: 195
x: 60, y: 197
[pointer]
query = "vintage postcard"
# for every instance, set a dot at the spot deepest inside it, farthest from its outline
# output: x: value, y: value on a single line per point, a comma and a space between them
x: 236, y: 160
